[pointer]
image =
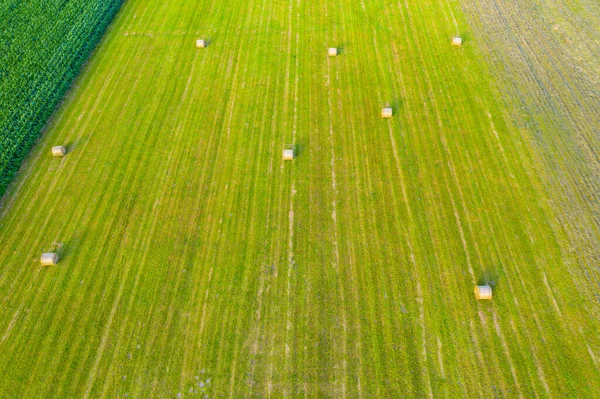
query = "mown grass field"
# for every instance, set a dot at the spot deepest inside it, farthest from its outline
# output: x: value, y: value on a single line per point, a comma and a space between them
x: 195, y: 262
x: 550, y: 78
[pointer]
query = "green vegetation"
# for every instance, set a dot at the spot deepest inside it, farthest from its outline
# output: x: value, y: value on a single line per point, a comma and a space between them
x: 195, y: 261
x: 43, y: 45
x: 549, y: 74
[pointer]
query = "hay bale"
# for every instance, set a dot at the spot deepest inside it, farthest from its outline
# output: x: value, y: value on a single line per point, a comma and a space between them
x: 49, y: 259
x: 288, y: 155
x: 59, y: 151
x: 200, y: 43
x: 483, y: 292
x: 332, y: 51
x: 457, y: 41
x: 386, y: 113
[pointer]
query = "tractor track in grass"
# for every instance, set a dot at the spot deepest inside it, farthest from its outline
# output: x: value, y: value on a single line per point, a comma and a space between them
x: 413, y: 260
x: 249, y: 234
x: 266, y: 278
x: 336, y: 261
x: 255, y: 201
x: 406, y: 137
x: 350, y: 254
x: 160, y: 199
x: 368, y: 293
x: 289, y: 265
x: 117, y: 300
x: 403, y: 90
x: 196, y: 328
x: 342, y: 390
x: 361, y: 278
x: 265, y: 271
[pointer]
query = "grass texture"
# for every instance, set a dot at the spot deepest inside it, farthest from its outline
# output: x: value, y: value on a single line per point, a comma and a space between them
x: 195, y: 262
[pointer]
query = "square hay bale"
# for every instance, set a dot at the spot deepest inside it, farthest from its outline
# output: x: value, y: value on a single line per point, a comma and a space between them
x: 483, y: 292
x: 332, y: 51
x: 59, y: 151
x: 386, y: 112
x: 288, y: 155
x: 49, y: 259
x: 457, y: 41
x: 201, y: 43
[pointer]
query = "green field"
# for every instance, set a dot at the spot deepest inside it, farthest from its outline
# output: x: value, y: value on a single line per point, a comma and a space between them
x: 43, y: 46
x: 195, y: 262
